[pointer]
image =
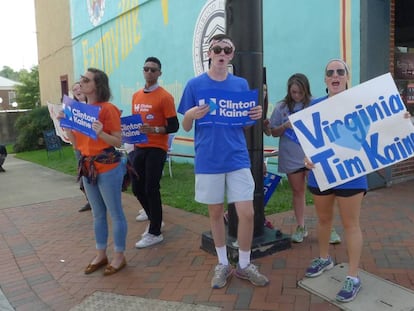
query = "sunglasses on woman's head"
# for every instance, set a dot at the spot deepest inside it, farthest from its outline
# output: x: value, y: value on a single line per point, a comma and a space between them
x: 217, y: 49
x: 339, y: 72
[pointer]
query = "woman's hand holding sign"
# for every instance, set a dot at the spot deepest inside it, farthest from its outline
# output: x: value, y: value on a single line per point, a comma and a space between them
x: 308, y: 164
x: 97, y: 126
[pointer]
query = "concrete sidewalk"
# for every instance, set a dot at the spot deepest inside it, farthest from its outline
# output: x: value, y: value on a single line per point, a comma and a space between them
x: 45, y: 244
x: 26, y: 183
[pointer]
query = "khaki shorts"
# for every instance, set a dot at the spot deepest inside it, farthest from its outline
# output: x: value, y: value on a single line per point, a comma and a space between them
x: 212, y: 188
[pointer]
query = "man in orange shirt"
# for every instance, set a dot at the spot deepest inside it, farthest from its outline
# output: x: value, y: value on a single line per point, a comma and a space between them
x: 157, y: 109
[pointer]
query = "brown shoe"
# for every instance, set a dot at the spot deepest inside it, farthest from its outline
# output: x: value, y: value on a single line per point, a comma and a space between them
x: 109, y: 270
x: 93, y: 267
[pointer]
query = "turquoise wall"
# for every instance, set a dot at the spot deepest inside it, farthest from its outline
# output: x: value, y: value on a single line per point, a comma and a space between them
x: 299, y: 36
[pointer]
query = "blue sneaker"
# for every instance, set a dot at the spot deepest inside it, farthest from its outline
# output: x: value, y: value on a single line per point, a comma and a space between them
x: 349, y: 291
x: 319, y: 265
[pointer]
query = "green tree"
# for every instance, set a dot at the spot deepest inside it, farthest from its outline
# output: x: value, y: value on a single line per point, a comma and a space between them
x: 9, y: 73
x: 30, y: 127
x: 28, y: 93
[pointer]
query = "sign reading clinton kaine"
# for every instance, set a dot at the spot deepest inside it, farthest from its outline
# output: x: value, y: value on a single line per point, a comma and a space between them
x: 227, y: 108
x: 79, y: 116
x: 130, y: 126
x: 356, y: 132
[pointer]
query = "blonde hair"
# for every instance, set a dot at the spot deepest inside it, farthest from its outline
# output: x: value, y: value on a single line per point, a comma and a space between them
x: 346, y: 67
x: 340, y: 61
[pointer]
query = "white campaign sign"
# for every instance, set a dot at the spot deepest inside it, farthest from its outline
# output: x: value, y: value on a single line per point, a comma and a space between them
x: 54, y: 110
x: 356, y: 132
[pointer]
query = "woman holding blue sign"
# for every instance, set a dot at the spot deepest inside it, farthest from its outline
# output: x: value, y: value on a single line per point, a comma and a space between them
x: 349, y: 198
x: 80, y: 97
x: 102, y: 171
x: 291, y: 155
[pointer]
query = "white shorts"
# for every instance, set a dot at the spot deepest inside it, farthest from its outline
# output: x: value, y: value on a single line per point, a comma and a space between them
x: 237, y: 186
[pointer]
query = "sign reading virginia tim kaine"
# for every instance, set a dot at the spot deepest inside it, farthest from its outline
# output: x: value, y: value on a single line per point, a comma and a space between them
x: 355, y: 132
x: 227, y: 108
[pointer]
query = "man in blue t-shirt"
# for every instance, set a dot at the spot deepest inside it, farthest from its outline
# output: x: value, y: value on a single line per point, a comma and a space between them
x: 222, y: 164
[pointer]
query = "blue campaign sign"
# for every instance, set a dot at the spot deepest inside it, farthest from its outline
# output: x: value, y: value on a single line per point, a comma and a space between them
x: 290, y: 133
x: 130, y: 126
x: 270, y: 183
x: 227, y: 108
x: 79, y: 116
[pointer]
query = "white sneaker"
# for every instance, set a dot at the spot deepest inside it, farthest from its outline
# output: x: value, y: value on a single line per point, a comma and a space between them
x: 148, y: 240
x: 147, y: 228
x: 142, y: 216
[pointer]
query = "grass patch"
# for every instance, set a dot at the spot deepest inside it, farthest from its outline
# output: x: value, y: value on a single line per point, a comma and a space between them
x: 176, y: 192
x: 64, y: 161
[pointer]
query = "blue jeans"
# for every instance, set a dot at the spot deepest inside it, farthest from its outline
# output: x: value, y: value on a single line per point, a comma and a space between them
x: 106, y: 196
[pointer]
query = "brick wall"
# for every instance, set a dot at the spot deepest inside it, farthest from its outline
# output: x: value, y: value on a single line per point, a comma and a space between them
x: 392, y: 35
x: 403, y: 170
x: 8, y: 134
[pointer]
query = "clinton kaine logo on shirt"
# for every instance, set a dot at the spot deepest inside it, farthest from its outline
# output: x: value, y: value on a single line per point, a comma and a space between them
x: 356, y: 132
x: 227, y: 108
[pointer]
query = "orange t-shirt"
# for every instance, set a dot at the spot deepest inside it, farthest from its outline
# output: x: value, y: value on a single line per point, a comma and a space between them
x: 110, y: 116
x: 155, y: 108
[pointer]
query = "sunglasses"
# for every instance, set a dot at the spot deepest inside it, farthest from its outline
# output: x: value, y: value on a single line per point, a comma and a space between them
x: 146, y: 69
x: 339, y: 72
x: 217, y: 49
x: 84, y: 79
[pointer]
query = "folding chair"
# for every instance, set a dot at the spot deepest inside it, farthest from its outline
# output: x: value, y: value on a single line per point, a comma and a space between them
x: 170, y: 148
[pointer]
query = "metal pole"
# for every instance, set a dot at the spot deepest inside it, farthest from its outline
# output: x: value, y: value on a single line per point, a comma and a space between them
x: 244, y: 24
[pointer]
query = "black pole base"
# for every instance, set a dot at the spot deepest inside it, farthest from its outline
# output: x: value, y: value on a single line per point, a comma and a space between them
x: 272, y: 241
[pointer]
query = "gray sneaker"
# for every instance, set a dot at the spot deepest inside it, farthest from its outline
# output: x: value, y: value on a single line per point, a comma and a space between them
x: 221, y: 274
x: 300, y: 234
x: 334, y: 238
x: 252, y: 274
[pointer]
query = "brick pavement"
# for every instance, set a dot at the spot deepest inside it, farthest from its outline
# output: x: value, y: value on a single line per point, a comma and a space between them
x: 44, y: 248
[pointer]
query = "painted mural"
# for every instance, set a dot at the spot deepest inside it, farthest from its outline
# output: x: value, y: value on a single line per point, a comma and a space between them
x: 299, y: 36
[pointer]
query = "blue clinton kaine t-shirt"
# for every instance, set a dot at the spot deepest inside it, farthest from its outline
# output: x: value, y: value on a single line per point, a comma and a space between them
x: 218, y: 149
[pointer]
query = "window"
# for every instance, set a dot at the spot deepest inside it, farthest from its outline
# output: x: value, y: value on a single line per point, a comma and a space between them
x: 12, y: 97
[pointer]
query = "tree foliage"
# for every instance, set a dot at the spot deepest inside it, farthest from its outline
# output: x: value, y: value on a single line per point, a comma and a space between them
x: 30, y: 127
x: 9, y: 73
x: 28, y: 92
